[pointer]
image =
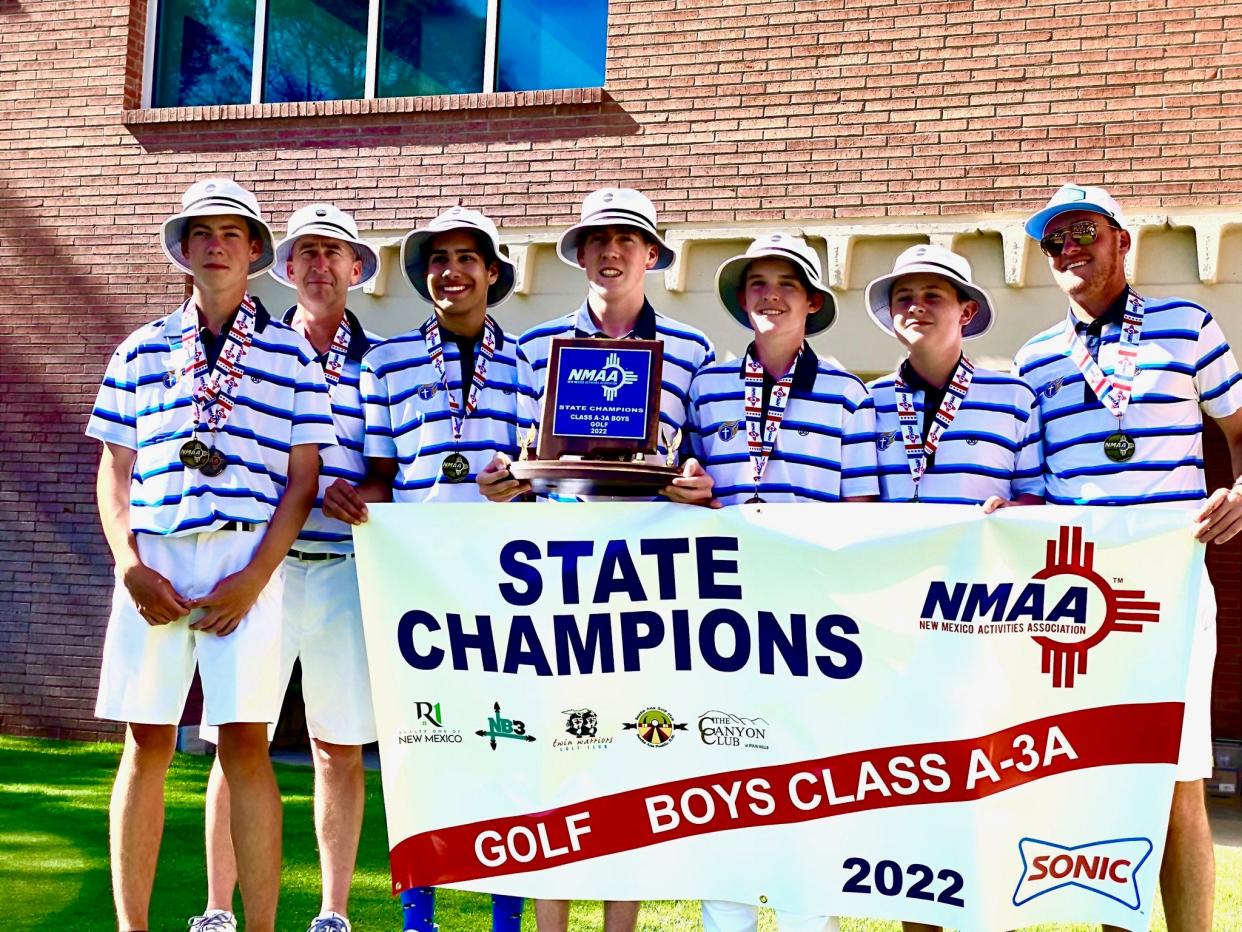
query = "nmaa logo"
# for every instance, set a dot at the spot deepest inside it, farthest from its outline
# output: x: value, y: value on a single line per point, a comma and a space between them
x: 1067, y: 607
x: 611, y: 377
x: 1109, y: 868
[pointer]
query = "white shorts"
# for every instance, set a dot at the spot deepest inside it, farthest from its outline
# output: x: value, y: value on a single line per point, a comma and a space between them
x: 1194, y: 760
x: 147, y: 669
x: 724, y: 916
x: 323, y: 628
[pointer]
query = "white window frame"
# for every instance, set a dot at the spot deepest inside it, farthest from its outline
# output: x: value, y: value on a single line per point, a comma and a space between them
x: 370, y: 82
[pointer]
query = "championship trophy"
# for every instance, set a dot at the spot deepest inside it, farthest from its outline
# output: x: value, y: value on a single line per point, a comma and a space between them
x: 601, y: 418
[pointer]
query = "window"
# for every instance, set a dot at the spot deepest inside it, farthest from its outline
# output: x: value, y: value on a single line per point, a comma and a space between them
x: 273, y: 51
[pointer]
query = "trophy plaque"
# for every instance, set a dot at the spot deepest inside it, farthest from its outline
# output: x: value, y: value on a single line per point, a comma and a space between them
x: 601, y: 418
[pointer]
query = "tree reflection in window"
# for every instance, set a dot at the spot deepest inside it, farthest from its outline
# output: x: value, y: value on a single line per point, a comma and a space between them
x: 316, y: 50
x: 204, y: 53
x: 431, y: 47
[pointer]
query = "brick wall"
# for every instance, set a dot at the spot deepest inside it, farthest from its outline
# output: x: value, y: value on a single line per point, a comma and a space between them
x: 725, y: 111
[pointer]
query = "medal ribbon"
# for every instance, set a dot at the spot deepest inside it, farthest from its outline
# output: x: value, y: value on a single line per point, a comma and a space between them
x: 761, y: 432
x: 918, y: 450
x: 1114, y: 393
x: 334, y: 365
x: 435, y: 349
x: 213, y: 393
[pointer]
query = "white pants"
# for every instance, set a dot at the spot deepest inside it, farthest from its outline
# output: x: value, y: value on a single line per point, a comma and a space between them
x: 147, y: 669
x: 323, y: 628
x: 724, y: 916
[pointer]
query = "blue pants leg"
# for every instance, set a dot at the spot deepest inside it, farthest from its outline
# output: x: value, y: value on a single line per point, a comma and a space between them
x: 506, y: 913
x: 419, y: 906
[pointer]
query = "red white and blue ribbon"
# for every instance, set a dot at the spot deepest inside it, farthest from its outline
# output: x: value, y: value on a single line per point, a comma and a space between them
x: 761, y: 432
x: 213, y: 393
x: 1114, y: 393
x: 435, y: 349
x: 334, y: 364
x: 918, y: 450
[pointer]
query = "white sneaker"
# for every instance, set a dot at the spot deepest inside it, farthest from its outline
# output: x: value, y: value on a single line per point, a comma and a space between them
x: 214, y: 920
x: 329, y: 922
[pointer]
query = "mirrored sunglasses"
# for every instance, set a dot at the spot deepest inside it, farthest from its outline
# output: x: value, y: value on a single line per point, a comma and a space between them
x: 1083, y: 233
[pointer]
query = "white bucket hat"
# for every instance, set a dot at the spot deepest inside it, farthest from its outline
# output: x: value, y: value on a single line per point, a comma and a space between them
x: 414, y: 262
x: 933, y: 260
x: 330, y: 221
x: 615, y: 207
x: 732, y: 274
x: 216, y: 197
x: 1075, y: 197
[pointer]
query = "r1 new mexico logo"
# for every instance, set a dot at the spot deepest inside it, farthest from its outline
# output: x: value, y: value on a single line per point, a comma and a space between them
x: 1067, y: 607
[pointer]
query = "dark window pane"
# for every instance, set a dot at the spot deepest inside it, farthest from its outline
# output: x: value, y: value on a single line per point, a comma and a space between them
x: 431, y: 47
x: 316, y: 50
x: 204, y: 52
x: 551, y: 43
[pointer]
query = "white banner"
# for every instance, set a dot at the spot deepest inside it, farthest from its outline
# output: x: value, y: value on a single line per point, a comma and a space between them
x: 899, y: 711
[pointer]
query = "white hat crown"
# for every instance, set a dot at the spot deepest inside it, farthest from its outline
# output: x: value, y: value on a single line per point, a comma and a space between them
x: 1070, y: 197
x: 330, y: 221
x: 217, y: 197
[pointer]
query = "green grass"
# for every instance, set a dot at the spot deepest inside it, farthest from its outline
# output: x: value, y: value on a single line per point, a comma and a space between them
x: 54, y: 855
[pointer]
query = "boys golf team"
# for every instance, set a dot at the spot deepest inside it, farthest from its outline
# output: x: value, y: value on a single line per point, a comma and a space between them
x: 240, y: 445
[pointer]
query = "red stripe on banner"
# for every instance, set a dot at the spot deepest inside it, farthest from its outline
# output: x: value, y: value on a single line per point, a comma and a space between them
x: 881, y: 778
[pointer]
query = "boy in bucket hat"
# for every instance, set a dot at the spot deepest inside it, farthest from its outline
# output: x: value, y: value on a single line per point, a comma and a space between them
x: 323, y: 259
x: 211, y: 418
x: 782, y: 425
x: 1122, y: 383
x: 948, y: 431
x: 440, y: 402
x: 616, y: 243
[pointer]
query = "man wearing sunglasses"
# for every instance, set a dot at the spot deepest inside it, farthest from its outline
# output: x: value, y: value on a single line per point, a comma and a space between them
x: 1121, y: 384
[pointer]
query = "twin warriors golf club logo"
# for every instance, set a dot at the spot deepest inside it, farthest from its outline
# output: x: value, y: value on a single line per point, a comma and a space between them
x: 612, y: 376
x: 1067, y: 607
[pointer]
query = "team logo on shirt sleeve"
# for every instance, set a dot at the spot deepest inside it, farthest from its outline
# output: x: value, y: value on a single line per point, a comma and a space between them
x: 1054, y: 386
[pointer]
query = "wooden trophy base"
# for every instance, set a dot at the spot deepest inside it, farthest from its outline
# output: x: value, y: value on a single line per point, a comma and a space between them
x: 594, y: 477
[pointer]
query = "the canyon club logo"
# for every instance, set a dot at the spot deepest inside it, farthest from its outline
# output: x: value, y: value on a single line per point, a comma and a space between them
x: 611, y: 377
x: 724, y: 729
x: 1109, y: 868
x: 1067, y: 607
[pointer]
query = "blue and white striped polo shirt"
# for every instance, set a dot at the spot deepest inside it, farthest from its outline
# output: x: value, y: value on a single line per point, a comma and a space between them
x: 282, y: 402
x: 322, y: 534
x: 1184, y: 365
x: 991, y: 448
x: 407, y: 415
x: 686, y: 350
x: 825, y: 450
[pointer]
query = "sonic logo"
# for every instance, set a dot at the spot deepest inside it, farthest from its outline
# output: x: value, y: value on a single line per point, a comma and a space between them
x: 1067, y: 607
x: 1109, y: 868
x: 611, y: 377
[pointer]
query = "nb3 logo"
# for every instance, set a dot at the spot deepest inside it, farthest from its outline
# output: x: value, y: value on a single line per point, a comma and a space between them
x: 611, y: 377
x: 504, y: 728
